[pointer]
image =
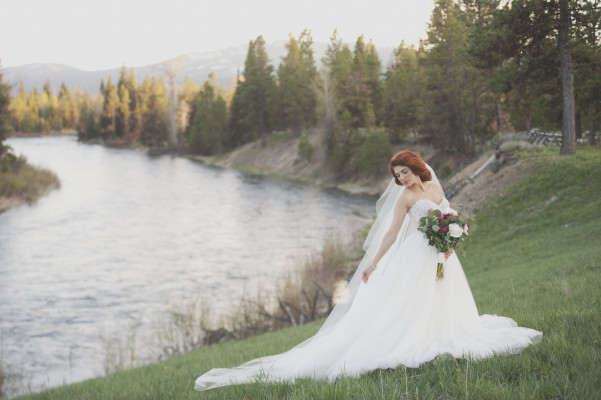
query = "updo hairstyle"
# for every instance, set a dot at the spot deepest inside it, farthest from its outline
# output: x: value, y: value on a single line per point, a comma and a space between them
x: 412, y: 160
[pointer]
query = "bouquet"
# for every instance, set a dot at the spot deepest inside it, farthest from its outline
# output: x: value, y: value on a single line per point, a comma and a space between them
x: 445, y: 231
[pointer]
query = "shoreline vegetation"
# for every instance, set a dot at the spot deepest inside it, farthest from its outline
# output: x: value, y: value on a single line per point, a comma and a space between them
x: 550, y: 290
x: 22, y: 183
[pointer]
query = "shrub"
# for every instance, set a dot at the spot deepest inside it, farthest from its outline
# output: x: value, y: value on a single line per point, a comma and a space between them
x: 9, y: 160
x: 305, y: 148
x: 445, y: 172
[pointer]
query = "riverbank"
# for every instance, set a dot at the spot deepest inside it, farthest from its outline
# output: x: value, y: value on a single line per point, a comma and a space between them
x: 466, y: 183
x: 280, y: 158
x: 65, y: 132
x: 532, y: 259
x: 469, y: 182
x: 25, y: 184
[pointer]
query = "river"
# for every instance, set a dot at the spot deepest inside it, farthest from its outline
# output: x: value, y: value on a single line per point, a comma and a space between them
x: 128, y: 236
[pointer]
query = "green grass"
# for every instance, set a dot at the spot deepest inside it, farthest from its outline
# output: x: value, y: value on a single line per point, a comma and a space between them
x: 533, y: 257
x: 27, y: 183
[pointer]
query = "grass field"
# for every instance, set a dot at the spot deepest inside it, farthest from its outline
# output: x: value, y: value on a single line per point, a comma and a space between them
x: 535, y: 257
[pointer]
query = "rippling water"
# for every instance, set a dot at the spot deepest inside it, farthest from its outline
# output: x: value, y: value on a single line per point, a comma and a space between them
x: 128, y: 235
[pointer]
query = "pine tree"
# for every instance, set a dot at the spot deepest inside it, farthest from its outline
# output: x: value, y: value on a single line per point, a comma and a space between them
x: 568, y: 143
x: 75, y: 99
x: 587, y: 57
x: 154, y: 117
x: 132, y: 87
x: 141, y: 110
x: 208, y: 128
x: 289, y: 75
x: 123, y: 76
x: 20, y: 111
x: 454, y: 87
x: 403, y: 87
x: 43, y: 105
x: 186, y: 100
x: 297, y: 76
x: 109, y: 111
x: 335, y: 88
x: 47, y: 88
x: 357, y: 101
x: 125, y: 91
x: 136, y: 108
x: 308, y: 79
x: 123, y: 115
x: 240, y: 132
x: 373, y: 67
x: 255, y: 97
x: 66, y: 107
x: 33, y: 105
x: 536, y: 40
x: 90, y: 110
x: 4, y: 111
x: 339, y: 61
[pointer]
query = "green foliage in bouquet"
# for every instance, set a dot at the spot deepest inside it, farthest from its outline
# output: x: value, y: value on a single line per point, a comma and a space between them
x: 445, y: 231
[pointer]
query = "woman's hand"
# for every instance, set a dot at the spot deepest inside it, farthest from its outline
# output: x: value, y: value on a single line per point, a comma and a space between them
x: 448, y: 254
x: 366, y: 273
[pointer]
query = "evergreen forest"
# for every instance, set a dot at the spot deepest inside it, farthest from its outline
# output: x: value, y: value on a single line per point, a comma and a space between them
x: 485, y: 67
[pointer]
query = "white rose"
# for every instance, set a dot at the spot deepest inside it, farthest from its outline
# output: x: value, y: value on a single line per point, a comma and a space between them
x: 451, y: 211
x: 455, y: 230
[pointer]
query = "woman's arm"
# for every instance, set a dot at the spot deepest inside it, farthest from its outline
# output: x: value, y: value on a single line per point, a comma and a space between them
x: 400, y: 211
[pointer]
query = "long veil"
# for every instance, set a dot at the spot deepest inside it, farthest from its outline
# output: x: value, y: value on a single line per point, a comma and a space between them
x: 384, y: 215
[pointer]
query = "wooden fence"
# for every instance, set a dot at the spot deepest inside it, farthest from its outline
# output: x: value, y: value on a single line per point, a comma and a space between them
x: 547, y: 139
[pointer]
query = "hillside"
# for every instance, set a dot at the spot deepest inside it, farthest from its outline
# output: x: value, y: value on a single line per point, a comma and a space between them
x: 535, y: 257
x: 280, y: 158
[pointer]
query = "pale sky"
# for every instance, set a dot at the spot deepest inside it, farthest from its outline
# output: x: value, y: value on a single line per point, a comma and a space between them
x: 102, y: 34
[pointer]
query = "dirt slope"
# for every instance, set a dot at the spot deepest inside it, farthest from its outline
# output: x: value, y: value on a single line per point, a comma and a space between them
x: 280, y: 158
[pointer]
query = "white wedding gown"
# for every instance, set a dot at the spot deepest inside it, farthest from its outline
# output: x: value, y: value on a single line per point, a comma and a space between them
x: 402, y: 317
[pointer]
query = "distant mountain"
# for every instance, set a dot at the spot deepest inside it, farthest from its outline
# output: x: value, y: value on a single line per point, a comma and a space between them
x: 225, y: 64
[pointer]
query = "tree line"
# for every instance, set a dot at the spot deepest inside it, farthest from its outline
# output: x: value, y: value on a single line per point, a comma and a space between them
x: 486, y: 66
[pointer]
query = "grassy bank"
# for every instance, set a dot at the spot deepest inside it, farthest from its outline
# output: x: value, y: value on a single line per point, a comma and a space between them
x: 535, y: 257
x: 25, y: 184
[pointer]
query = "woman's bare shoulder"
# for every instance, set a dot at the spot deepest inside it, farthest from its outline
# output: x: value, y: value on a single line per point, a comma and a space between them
x: 406, y: 199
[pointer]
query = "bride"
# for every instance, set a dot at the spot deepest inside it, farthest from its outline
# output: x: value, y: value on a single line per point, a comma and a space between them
x: 394, y: 312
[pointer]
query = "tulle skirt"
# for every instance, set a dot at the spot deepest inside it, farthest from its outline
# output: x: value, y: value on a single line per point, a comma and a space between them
x: 402, y: 317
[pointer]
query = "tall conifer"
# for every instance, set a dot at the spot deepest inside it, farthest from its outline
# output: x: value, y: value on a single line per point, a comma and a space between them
x: 290, y: 81
x: 255, y: 96
x: 109, y: 111
x: 4, y: 114
x: 403, y: 85
x: 208, y: 128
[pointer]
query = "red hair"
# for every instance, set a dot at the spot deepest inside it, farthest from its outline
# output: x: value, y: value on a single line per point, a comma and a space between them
x: 412, y: 160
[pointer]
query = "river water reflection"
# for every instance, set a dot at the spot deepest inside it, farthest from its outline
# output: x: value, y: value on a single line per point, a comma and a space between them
x: 128, y: 235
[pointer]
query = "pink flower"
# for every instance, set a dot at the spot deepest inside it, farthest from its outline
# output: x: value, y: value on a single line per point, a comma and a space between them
x: 441, y: 217
x: 444, y: 228
x: 430, y: 209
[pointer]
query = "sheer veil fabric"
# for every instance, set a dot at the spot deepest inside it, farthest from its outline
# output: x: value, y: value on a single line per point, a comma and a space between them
x: 403, y: 316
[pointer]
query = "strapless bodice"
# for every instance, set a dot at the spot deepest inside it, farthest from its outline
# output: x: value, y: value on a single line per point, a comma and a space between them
x: 420, y: 208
